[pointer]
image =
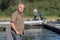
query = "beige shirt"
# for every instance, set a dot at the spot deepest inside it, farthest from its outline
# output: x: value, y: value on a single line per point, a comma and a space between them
x: 17, y: 18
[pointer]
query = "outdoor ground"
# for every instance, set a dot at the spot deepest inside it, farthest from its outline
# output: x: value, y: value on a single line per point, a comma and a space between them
x: 25, y: 18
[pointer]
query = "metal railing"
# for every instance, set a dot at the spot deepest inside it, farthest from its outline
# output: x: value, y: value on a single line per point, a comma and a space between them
x: 8, y: 30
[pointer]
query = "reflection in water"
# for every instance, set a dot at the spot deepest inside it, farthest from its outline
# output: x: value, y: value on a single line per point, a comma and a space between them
x: 53, y: 35
x: 2, y: 36
x: 36, y: 34
x: 41, y: 34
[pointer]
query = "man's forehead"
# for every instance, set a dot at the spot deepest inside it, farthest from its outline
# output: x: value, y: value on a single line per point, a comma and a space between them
x: 20, y: 5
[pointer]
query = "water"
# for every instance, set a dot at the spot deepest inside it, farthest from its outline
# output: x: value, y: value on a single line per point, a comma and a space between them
x: 2, y: 36
x: 36, y: 34
x: 41, y: 34
x: 53, y: 35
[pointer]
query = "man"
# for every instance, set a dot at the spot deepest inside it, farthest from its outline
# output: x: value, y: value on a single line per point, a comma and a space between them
x: 42, y: 15
x: 17, y: 23
x: 35, y: 11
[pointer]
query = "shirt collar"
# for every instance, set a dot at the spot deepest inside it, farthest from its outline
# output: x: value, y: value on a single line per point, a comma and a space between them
x: 21, y: 14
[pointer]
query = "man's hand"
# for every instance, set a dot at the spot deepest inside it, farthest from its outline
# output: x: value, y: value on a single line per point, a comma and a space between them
x: 14, y: 27
x: 18, y: 32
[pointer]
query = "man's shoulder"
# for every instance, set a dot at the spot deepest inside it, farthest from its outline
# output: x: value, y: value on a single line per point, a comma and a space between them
x: 14, y: 13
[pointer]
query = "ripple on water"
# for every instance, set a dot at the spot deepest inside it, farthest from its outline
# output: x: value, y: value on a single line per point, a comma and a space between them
x: 41, y: 34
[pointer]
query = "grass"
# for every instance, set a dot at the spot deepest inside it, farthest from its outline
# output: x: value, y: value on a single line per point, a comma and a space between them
x: 4, y: 18
x: 48, y: 18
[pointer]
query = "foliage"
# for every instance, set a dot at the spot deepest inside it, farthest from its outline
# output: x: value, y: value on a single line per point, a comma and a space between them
x: 49, y: 7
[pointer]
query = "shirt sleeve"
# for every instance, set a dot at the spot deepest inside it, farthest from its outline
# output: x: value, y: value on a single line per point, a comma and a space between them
x: 13, y: 18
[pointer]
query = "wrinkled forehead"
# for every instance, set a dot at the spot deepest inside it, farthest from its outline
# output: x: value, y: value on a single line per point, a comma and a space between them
x: 20, y: 5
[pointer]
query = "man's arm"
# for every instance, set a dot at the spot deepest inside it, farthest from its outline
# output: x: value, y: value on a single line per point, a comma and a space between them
x: 12, y: 22
x: 14, y: 27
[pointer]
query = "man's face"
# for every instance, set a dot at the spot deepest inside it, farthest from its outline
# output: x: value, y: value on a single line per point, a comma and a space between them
x: 21, y: 8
